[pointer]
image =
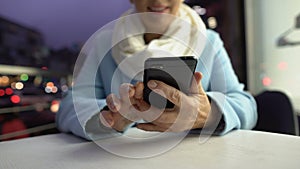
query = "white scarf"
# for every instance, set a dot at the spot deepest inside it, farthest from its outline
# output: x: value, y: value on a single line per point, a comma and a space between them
x: 185, y: 36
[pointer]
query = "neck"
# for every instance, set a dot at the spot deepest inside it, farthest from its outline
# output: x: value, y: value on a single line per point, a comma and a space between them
x: 148, y: 37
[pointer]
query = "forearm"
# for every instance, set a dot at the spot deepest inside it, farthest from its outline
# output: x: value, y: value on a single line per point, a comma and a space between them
x: 238, y: 110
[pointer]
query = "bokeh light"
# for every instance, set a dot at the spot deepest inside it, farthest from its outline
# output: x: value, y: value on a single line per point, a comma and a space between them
x: 24, y: 77
x: 199, y: 10
x: 2, y: 92
x: 9, y: 91
x: 54, y: 89
x: 54, y: 106
x: 266, y: 81
x: 37, y: 80
x: 13, y: 85
x: 48, y: 89
x: 4, y: 81
x: 64, y: 88
x: 19, y: 85
x: 212, y: 22
x: 44, y: 68
x: 282, y: 66
x: 15, y: 99
x: 50, y: 84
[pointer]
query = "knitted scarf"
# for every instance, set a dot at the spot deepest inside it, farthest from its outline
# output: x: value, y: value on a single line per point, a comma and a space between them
x: 185, y: 36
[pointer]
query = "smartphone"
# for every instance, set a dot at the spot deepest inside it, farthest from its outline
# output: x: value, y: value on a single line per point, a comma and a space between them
x: 174, y: 71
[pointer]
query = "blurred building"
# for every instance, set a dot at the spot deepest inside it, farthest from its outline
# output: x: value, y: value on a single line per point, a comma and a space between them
x: 33, y: 78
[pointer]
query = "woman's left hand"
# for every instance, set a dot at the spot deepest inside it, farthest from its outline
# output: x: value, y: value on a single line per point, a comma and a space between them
x: 190, y: 111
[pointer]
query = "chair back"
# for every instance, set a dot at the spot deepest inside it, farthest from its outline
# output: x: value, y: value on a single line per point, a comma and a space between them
x: 275, y: 113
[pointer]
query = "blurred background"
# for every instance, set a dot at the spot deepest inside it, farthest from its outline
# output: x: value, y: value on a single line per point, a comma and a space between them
x: 40, y: 41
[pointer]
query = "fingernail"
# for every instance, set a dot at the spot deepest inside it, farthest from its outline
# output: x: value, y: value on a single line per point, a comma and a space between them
x: 152, y: 84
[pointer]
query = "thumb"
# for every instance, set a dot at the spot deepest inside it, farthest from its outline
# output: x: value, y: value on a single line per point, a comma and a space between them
x: 106, y: 118
x: 196, y: 86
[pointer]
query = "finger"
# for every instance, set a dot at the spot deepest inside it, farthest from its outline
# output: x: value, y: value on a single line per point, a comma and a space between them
x: 196, y: 86
x: 113, y: 103
x: 169, y: 92
x: 138, y: 93
x: 195, y: 81
x: 147, y: 113
x: 139, y: 87
x: 126, y: 91
x: 141, y: 105
x: 106, y: 118
x: 150, y: 127
x: 166, y: 117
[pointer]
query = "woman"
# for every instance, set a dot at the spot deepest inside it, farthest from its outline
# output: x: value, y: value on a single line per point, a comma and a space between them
x: 216, y: 103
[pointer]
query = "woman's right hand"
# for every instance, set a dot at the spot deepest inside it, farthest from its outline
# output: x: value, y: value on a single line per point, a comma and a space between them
x: 119, y: 116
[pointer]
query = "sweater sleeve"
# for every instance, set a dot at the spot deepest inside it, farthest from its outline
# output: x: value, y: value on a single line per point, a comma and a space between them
x: 80, y: 108
x: 236, y: 107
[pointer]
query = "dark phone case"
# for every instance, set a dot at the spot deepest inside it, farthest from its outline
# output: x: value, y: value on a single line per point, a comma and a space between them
x: 174, y: 71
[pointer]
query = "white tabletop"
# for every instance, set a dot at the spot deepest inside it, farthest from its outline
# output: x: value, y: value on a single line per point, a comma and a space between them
x: 238, y: 149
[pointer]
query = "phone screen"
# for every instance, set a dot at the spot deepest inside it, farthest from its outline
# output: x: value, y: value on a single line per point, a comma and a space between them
x: 174, y: 71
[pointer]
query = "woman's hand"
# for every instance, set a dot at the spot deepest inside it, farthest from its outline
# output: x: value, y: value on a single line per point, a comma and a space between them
x: 190, y: 111
x: 119, y: 115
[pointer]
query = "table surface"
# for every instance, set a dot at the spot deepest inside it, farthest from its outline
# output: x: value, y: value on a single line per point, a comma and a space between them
x: 238, y: 149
